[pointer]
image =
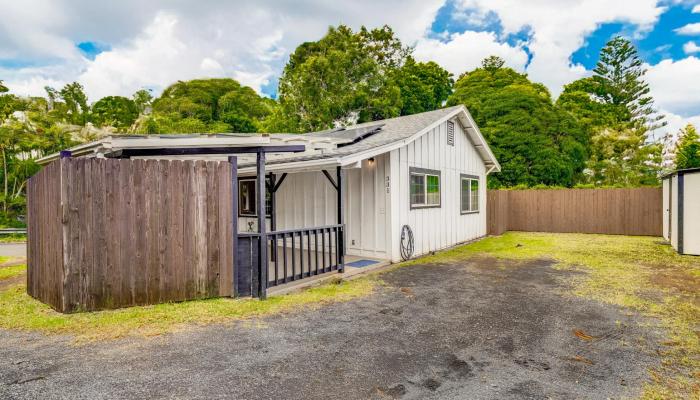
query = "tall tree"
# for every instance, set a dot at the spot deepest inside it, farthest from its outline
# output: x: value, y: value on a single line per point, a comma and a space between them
x: 621, y: 157
x: 76, y: 102
x: 343, y: 78
x: 423, y: 86
x: 535, y: 142
x: 688, y: 150
x: 116, y: 111
x: 143, y: 99
x: 619, y: 78
x: 207, y: 105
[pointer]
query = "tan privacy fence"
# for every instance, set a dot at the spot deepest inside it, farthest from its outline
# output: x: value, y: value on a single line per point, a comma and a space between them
x: 636, y: 211
x: 106, y: 233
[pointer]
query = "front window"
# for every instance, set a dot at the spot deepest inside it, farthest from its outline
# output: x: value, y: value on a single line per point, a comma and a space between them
x: 247, y: 198
x: 469, y: 193
x: 424, y: 188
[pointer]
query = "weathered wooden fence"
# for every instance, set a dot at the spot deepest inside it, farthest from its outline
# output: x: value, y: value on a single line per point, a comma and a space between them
x: 106, y: 233
x: 636, y: 211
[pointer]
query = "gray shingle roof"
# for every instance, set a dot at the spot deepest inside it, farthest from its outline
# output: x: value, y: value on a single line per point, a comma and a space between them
x: 394, y: 129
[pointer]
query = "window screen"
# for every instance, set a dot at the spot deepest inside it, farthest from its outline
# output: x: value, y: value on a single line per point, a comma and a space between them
x: 424, y: 188
x: 469, y: 194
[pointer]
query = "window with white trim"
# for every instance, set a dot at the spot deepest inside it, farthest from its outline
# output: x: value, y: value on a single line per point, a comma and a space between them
x: 469, y: 192
x: 424, y: 188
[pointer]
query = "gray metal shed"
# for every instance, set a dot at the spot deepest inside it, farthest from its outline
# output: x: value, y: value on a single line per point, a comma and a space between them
x: 681, y: 203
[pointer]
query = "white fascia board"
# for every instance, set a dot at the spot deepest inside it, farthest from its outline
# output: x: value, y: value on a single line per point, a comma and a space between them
x: 480, y: 140
x: 298, y: 166
x: 461, y: 112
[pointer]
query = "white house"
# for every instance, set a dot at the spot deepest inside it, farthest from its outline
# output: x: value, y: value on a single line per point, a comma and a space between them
x: 427, y: 171
x: 424, y: 172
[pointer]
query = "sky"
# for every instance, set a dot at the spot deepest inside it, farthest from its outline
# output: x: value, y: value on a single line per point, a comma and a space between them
x: 116, y: 48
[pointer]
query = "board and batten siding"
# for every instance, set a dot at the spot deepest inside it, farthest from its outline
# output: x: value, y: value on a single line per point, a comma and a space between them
x: 444, y: 226
x: 307, y: 199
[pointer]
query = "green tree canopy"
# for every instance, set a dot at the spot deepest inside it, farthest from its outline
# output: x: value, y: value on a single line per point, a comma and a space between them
x: 618, y: 78
x: 143, y: 99
x: 688, y: 150
x: 117, y: 111
x: 208, y: 105
x: 621, y: 157
x: 423, y: 86
x: 535, y: 142
x: 345, y: 77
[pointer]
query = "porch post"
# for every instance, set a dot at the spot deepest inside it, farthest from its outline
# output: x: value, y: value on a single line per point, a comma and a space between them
x: 262, y: 253
x: 273, y: 205
x: 233, y: 160
x: 340, y: 251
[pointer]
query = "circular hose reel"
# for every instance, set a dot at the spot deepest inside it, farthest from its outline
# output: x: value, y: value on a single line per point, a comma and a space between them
x: 406, y: 243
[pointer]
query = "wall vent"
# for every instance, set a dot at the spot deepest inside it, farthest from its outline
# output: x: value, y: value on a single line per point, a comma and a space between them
x: 450, y: 133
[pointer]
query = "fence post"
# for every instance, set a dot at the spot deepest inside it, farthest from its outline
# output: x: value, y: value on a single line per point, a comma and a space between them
x: 233, y: 161
x: 341, y: 243
x: 262, y: 229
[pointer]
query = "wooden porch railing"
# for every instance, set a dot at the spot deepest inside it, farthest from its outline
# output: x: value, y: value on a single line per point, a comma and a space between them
x: 300, y: 253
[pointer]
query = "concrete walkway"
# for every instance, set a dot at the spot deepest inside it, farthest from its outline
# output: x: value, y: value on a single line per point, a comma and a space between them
x: 13, y: 249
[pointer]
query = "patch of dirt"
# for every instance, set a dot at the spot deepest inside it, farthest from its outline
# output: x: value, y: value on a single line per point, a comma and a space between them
x: 5, y: 283
x: 490, y: 262
x: 676, y: 280
x: 14, y: 262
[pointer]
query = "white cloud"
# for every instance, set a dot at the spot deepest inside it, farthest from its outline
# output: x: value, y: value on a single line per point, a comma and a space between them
x: 154, y: 43
x: 690, y: 48
x: 558, y: 28
x: 690, y: 29
x: 464, y: 51
x: 696, y: 9
x: 675, y: 85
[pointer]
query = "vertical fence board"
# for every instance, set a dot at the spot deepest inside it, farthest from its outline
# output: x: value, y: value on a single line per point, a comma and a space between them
x: 636, y: 211
x: 106, y: 233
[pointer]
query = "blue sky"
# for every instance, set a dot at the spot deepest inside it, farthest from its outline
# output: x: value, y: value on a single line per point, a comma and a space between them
x: 116, y: 48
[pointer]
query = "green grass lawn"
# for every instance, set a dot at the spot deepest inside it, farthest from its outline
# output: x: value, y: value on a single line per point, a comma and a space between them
x: 11, y: 272
x: 638, y: 273
x: 13, y: 238
x: 19, y: 311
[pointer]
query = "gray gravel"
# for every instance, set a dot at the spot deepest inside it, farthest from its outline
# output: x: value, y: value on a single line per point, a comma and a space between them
x: 476, y: 330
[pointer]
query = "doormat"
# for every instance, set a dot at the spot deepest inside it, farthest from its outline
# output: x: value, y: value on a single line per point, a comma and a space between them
x: 361, y: 263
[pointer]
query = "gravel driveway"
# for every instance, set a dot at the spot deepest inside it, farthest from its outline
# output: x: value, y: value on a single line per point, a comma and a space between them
x: 480, y: 329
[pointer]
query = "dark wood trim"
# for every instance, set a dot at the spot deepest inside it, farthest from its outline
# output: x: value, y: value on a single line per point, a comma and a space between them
x: 233, y: 160
x: 340, y: 235
x: 65, y: 154
x: 273, y: 210
x: 276, y: 187
x: 262, y: 229
x: 267, y: 187
x: 189, y: 151
x: 330, y: 179
x: 680, y: 195
x: 424, y: 171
